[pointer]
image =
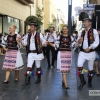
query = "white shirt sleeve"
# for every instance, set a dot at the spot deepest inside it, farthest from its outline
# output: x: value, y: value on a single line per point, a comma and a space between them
x: 96, y: 38
x: 24, y: 41
x: 79, y: 36
x: 42, y: 39
x: 56, y: 44
x: 45, y: 37
x: 5, y: 38
x: 55, y: 36
x: 72, y: 41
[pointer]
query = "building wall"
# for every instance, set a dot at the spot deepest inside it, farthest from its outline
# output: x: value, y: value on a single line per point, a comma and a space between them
x: 46, y: 13
x: 17, y: 10
x: 60, y: 19
x: 98, y: 2
x: 50, y: 12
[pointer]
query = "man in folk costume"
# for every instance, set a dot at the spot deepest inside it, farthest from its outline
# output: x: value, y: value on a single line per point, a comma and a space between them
x: 34, y: 41
x: 89, y: 40
x: 51, y: 38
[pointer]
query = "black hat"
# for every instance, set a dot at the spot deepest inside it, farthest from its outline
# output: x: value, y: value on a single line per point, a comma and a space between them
x: 87, y: 19
x: 33, y: 23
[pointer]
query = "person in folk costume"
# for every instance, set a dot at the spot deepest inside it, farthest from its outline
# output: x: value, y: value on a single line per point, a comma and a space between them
x: 89, y: 40
x: 64, y: 55
x: 44, y: 47
x: 23, y: 40
x: 13, y: 59
x: 35, y: 41
x: 27, y: 49
x: 56, y: 51
x: 96, y: 62
x: 50, y: 37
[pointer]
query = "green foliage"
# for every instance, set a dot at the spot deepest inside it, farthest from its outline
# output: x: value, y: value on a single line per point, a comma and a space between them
x: 39, y: 13
x: 83, y: 15
x: 37, y: 19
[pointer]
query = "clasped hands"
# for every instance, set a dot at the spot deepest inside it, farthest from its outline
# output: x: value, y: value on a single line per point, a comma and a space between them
x: 49, y: 43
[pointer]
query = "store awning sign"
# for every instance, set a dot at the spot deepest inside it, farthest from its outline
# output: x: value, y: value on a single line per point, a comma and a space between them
x: 89, y: 6
x: 97, y: 10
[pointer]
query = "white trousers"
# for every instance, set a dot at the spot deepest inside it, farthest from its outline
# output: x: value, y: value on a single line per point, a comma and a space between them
x: 81, y: 61
x: 32, y: 60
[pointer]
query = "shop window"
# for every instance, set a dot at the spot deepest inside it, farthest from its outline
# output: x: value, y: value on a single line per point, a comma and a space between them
x: 7, y: 22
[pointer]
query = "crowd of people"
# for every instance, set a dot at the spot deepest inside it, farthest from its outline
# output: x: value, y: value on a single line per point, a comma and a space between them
x: 52, y: 45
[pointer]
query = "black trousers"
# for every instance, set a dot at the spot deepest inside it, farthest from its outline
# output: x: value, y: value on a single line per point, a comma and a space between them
x: 52, y: 49
x: 44, y: 51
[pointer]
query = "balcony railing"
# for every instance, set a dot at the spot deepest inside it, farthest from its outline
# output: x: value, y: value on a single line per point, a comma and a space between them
x: 26, y: 2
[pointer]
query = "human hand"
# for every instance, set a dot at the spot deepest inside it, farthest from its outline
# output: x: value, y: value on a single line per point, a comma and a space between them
x: 87, y: 49
x: 80, y: 40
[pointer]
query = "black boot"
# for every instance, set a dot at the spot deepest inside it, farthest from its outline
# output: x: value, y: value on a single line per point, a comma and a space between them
x: 38, y: 79
x: 90, y: 76
x: 83, y: 82
x: 38, y: 74
x: 27, y: 80
x: 89, y: 82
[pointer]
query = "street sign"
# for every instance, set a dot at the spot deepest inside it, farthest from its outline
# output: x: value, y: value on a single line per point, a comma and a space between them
x: 88, y: 6
x: 97, y: 10
x: 87, y: 11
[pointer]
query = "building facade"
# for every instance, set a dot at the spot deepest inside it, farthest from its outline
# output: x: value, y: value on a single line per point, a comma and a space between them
x: 50, y: 13
x: 15, y: 12
x: 95, y: 20
x: 60, y: 20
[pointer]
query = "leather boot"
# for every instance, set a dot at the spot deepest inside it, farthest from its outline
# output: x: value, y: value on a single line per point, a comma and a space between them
x: 27, y: 80
x: 82, y: 80
x: 38, y: 79
x: 89, y: 82
x: 90, y: 76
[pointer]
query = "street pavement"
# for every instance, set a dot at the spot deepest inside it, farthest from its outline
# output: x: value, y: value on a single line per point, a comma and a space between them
x: 50, y: 87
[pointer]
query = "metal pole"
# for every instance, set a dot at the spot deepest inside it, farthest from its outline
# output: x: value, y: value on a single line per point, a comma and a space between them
x: 70, y: 16
x: 96, y: 22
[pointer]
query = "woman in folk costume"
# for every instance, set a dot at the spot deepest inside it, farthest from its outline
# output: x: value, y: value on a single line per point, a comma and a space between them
x: 64, y: 55
x: 13, y: 59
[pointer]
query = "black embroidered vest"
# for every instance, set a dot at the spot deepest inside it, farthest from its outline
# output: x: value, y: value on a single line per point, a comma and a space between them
x: 11, y: 42
x: 38, y: 43
x: 90, y: 36
x: 65, y: 43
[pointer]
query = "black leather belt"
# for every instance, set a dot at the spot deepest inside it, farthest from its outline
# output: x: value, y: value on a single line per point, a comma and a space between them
x: 87, y: 52
x: 32, y: 51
